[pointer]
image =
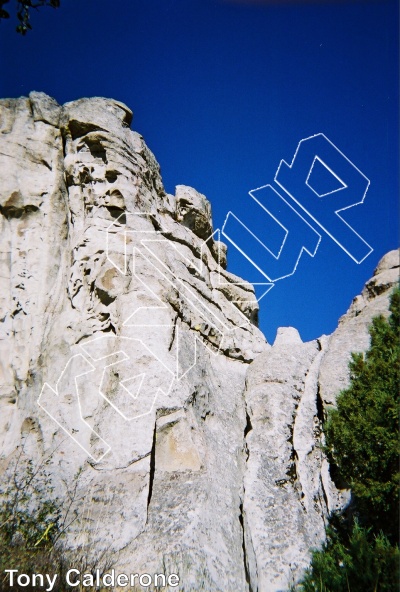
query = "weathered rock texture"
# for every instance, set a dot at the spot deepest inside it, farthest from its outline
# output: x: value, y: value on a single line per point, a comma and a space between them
x: 131, y: 361
x: 288, y: 487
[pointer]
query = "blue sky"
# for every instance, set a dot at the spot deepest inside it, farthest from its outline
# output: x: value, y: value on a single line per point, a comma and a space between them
x: 223, y: 91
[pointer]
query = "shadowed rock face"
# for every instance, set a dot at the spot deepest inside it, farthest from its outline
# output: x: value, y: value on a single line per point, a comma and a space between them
x: 131, y: 359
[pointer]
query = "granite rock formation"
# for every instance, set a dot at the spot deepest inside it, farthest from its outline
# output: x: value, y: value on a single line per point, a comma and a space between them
x: 131, y: 362
x: 289, y: 388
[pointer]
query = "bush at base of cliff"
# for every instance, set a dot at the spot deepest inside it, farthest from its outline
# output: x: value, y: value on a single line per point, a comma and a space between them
x: 362, y: 433
x: 29, y: 528
x: 33, y: 525
x: 362, y: 437
x: 355, y: 562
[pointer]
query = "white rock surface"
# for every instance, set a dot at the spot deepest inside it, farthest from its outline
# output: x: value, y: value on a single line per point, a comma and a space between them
x: 288, y: 489
x: 352, y: 332
x: 124, y: 349
x: 92, y: 315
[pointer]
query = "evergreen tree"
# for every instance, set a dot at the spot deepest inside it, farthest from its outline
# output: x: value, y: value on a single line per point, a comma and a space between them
x: 362, y: 439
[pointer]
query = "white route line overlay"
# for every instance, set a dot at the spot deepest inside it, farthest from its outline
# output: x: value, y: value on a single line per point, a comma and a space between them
x: 342, y: 183
x: 57, y: 394
x: 100, y: 443
x: 329, y: 193
x: 276, y: 257
x: 183, y: 287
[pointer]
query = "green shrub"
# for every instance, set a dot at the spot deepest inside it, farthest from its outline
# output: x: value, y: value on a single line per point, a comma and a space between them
x: 361, y: 562
x: 33, y: 524
x: 362, y: 439
x: 30, y: 526
x: 362, y: 432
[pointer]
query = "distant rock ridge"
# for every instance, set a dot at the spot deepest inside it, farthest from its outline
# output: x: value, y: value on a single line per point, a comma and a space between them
x: 131, y: 360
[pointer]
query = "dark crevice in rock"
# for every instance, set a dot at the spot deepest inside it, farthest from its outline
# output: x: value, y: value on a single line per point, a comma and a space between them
x: 320, y: 406
x: 292, y: 467
x: 104, y: 296
x: 81, y: 128
x: 29, y: 155
x: 16, y: 312
x: 280, y: 482
x: 96, y: 148
x: 254, y: 317
x: 336, y: 477
x: 193, y: 271
x: 46, y: 164
x: 11, y: 211
x: 214, y: 347
x: 152, y: 468
x: 164, y: 411
x: 85, y: 336
x: 247, y: 429
x: 64, y: 136
x: 29, y: 101
x: 155, y: 222
x: 241, y: 358
x: 85, y: 177
x: 104, y: 316
x: 248, y: 426
x: 112, y: 176
x: 290, y: 439
x: 173, y: 332
x: 117, y: 213
x: 97, y: 467
x: 245, y: 560
x: 323, y: 493
x: 375, y: 289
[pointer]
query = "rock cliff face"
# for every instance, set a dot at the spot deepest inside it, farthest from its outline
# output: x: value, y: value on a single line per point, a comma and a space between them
x: 131, y: 363
x: 289, y: 388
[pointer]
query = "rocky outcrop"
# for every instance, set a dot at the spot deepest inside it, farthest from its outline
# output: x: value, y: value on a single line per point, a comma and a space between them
x: 132, y: 366
x: 352, y: 333
x: 289, y: 389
